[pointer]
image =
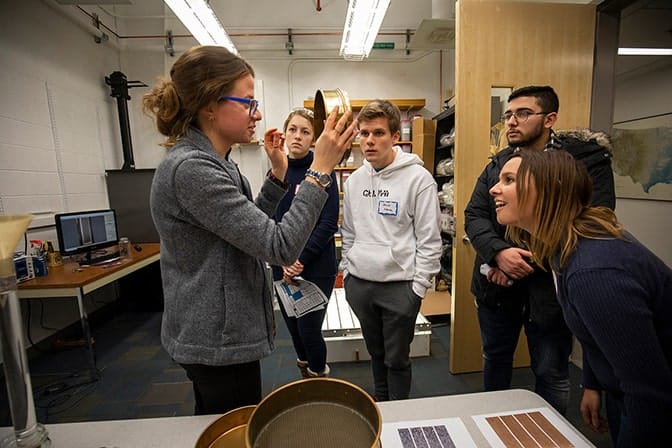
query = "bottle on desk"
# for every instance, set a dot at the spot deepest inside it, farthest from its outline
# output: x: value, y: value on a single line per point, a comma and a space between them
x: 124, y: 248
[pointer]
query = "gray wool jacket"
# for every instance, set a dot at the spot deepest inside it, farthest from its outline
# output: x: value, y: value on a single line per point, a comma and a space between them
x: 214, y: 242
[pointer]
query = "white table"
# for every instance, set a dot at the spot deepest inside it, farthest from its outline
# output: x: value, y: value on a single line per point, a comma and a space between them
x: 184, y: 431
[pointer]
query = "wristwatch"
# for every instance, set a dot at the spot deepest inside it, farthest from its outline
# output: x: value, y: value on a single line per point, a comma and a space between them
x: 322, y: 178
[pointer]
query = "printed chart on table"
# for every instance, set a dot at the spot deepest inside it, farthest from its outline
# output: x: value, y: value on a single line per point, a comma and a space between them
x: 438, y: 433
x: 529, y: 428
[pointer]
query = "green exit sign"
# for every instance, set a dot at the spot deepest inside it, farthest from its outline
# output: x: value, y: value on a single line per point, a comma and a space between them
x: 383, y: 45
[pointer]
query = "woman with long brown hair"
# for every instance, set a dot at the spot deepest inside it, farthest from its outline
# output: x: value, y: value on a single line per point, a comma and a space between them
x: 616, y: 295
x: 317, y: 261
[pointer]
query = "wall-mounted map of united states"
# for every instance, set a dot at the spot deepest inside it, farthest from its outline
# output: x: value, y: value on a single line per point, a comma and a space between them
x: 644, y: 156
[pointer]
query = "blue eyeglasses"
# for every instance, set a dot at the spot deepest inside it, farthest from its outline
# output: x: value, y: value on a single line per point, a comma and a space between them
x: 251, y: 102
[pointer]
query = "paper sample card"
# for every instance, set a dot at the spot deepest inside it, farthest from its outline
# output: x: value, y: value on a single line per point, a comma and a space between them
x: 438, y: 433
x: 529, y: 428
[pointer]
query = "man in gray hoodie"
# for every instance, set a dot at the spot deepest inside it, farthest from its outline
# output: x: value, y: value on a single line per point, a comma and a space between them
x: 391, y: 246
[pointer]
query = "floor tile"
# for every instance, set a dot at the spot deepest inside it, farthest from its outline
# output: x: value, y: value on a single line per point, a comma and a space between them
x: 166, y: 394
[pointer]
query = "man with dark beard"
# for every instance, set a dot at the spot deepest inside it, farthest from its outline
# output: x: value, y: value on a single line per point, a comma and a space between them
x: 511, y: 292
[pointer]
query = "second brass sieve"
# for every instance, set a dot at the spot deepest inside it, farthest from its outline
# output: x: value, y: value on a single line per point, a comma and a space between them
x: 228, y: 431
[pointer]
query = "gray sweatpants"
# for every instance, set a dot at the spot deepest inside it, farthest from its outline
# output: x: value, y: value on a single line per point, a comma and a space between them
x: 387, y: 313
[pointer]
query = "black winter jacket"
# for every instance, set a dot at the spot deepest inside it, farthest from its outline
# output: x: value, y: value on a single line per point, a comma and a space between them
x: 487, y: 235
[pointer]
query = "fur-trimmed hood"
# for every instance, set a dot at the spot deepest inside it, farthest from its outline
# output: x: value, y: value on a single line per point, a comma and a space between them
x: 587, y: 135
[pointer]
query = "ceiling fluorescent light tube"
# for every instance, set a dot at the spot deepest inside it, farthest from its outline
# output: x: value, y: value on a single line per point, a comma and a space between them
x: 362, y: 22
x: 645, y: 51
x: 202, y: 22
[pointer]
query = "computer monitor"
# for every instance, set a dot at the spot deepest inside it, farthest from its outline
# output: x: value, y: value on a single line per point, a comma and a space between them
x: 89, y: 233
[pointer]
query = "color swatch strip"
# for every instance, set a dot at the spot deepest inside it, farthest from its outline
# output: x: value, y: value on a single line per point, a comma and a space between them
x: 528, y: 430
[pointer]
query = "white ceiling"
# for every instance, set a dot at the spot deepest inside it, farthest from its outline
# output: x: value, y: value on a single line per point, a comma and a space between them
x: 261, y: 26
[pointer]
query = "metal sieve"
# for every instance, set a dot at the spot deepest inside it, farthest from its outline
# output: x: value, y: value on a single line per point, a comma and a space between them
x: 228, y: 431
x: 324, y: 412
x: 325, y: 101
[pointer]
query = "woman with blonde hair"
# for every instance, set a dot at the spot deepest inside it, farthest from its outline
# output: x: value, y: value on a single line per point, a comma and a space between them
x: 317, y: 261
x: 616, y: 295
x: 215, y: 238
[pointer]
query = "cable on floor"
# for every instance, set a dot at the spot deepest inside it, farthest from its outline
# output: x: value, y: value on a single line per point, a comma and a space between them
x: 59, y: 396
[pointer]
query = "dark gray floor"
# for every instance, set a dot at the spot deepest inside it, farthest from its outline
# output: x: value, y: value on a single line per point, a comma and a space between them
x: 139, y: 380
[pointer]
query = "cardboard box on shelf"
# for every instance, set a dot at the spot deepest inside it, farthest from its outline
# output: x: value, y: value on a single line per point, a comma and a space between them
x: 424, y: 139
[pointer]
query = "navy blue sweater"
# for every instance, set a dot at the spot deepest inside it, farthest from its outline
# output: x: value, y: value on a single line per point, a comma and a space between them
x: 319, y: 254
x: 616, y: 297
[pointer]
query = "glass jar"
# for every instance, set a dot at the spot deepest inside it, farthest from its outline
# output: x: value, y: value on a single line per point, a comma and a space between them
x: 124, y: 248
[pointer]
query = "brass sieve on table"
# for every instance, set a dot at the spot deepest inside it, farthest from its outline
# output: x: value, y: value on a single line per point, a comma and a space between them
x: 228, y: 431
x: 318, y: 412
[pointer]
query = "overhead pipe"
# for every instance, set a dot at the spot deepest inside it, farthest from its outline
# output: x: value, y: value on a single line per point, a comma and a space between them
x: 177, y: 49
x: 279, y: 34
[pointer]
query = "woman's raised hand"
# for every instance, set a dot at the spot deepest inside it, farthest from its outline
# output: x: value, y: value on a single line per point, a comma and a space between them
x: 333, y: 142
x: 274, y: 144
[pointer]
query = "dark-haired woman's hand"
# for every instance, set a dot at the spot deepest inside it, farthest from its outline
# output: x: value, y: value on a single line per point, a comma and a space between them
x: 274, y: 144
x: 333, y: 142
x: 289, y: 272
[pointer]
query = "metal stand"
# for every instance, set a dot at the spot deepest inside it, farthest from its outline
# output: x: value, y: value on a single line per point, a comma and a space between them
x: 120, y: 85
x: 27, y: 432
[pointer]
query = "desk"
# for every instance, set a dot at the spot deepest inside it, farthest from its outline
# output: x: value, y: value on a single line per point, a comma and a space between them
x: 184, y: 431
x: 64, y: 281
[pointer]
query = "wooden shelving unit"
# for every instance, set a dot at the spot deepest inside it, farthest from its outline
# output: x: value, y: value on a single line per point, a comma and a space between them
x: 402, y: 103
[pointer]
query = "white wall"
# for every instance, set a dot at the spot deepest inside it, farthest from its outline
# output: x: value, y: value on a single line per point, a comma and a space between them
x: 288, y: 83
x: 284, y: 83
x: 145, y: 66
x: 58, y: 131
x: 58, y: 126
x: 638, y: 97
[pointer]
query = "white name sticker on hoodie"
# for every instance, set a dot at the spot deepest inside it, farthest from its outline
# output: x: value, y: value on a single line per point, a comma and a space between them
x: 389, y: 208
